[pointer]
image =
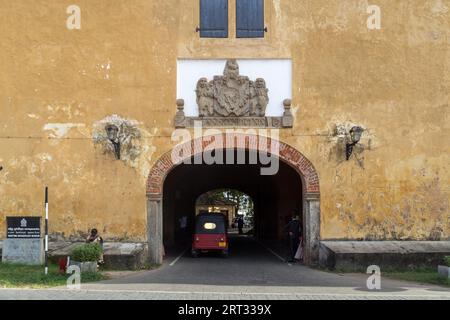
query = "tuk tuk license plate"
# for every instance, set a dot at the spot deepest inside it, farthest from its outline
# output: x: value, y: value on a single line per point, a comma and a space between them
x: 222, y: 244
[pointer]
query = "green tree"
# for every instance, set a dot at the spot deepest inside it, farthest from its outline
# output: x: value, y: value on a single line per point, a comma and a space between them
x: 244, y: 202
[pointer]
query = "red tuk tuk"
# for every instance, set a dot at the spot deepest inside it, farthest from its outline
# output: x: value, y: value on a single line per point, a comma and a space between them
x: 210, y: 234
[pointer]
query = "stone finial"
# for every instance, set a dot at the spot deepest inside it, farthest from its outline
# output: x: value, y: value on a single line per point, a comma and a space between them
x: 180, y: 104
x: 180, y: 118
x: 287, y: 103
x: 288, y: 119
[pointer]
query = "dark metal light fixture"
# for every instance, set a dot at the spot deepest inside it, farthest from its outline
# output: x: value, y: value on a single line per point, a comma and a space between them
x: 112, y: 132
x: 355, y: 136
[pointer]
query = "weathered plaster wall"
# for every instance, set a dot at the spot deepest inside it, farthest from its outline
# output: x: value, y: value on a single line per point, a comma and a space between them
x: 56, y: 85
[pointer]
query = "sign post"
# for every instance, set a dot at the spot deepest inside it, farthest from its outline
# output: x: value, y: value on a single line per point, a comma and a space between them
x: 23, y: 227
x: 46, y: 230
x: 23, y: 243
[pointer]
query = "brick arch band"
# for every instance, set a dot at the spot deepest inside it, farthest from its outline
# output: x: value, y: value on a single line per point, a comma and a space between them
x: 286, y: 153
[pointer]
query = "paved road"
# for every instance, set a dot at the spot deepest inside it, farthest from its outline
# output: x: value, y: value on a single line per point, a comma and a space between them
x: 252, y: 272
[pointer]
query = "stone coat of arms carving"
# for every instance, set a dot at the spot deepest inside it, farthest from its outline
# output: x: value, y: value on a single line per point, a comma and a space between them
x: 233, y: 101
x: 232, y: 95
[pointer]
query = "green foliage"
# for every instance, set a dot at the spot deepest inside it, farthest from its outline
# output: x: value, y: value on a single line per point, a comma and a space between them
x: 420, y: 276
x: 25, y: 276
x: 447, y: 261
x: 87, y: 252
x: 243, y: 201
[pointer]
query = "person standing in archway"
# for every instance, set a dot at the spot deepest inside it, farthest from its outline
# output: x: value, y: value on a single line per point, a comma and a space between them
x: 183, y: 229
x: 299, y: 254
x: 293, y: 234
x: 240, y: 225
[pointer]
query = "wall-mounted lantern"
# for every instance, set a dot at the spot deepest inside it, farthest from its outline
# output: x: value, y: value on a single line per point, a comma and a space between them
x: 112, y: 131
x: 355, y: 136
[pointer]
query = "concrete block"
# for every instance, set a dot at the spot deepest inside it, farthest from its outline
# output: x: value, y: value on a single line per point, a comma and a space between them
x: 85, y: 266
x: 26, y: 251
x: 444, y: 271
x: 358, y: 255
x: 117, y: 255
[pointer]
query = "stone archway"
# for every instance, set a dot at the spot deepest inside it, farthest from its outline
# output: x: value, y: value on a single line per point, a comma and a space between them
x: 285, y: 152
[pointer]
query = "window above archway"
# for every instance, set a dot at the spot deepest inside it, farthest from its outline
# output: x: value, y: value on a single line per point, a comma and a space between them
x: 213, y: 19
x: 249, y: 19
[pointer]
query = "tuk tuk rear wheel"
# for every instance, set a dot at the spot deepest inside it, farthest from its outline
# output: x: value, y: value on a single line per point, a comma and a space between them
x: 194, y: 254
x: 225, y: 254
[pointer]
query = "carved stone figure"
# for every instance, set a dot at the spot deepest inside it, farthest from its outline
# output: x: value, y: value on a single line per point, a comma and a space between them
x: 258, y: 97
x: 231, y: 69
x: 232, y: 95
x: 205, y: 97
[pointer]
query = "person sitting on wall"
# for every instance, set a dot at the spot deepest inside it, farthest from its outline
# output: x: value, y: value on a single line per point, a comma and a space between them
x: 94, y: 237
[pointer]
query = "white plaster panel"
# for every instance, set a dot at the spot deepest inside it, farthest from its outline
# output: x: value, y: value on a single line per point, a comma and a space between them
x: 276, y: 72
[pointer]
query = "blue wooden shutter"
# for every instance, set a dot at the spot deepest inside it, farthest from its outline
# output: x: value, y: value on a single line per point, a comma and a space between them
x: 214, y: 18
x: 250, y: 18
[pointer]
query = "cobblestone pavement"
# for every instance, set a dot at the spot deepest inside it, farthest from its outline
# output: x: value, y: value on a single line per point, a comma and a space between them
x: 63, y: 294
x: 252, y: 272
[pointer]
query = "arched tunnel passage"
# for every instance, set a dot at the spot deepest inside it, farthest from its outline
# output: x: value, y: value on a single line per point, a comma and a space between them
x: 275, y: 197
x: 287, y: 154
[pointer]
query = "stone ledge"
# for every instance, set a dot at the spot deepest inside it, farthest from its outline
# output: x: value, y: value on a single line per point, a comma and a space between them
x: 236, y: 122
x: 358, y: 255
x: 117, y: 255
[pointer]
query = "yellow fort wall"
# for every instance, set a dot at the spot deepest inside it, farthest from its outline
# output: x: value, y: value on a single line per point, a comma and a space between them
x: 57, y: 84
